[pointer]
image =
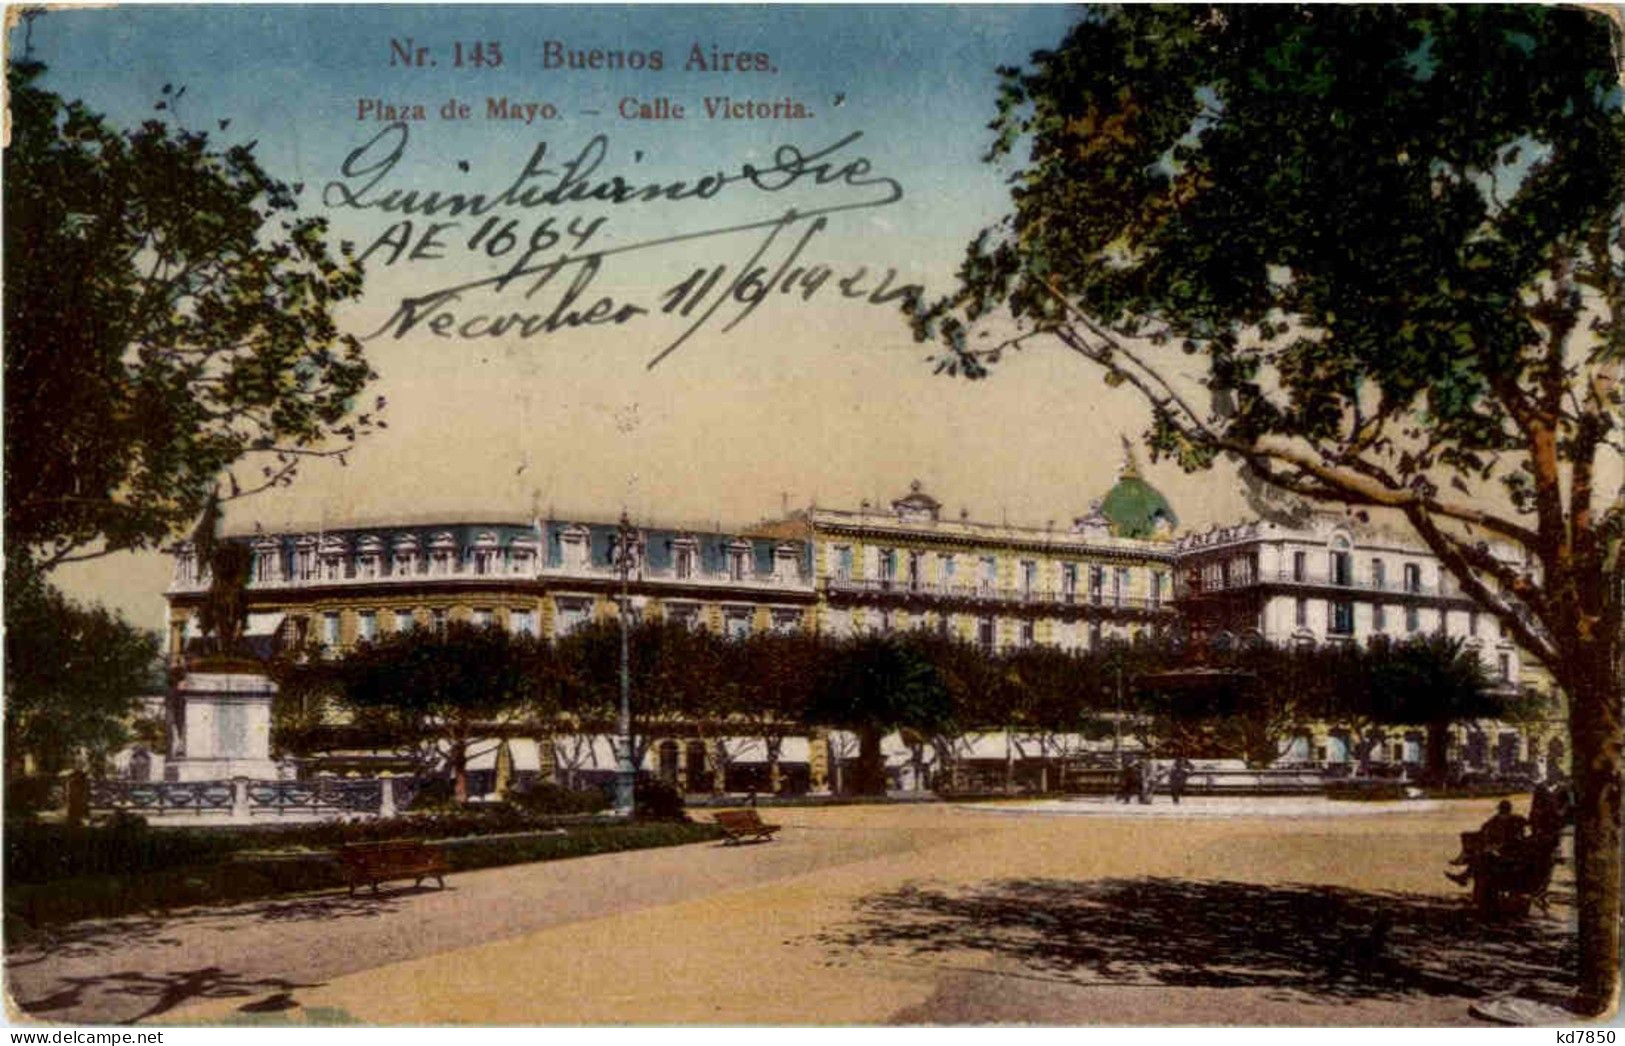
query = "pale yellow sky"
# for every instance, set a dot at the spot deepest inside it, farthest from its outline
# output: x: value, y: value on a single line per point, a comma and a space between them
x: 834, y: 405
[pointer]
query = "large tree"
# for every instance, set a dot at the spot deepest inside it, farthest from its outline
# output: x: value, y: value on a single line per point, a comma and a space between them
x: 439, y: 693
x: 1374, y: 254
x: 169, y: 315
x: 73, y: 674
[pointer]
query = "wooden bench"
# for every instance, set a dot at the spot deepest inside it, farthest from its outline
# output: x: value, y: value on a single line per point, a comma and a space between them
x: 740, y: 825
x: 397, y: 859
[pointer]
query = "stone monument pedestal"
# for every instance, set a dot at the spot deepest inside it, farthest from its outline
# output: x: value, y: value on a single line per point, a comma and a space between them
x: 221, y: 725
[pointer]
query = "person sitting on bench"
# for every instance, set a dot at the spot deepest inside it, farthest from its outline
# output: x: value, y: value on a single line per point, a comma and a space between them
x: 1506, y: 829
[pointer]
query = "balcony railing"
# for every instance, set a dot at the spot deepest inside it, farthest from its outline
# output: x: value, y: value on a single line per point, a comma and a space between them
x: 593, y: 572
x: 1311, y: 579
x: 979, y: 593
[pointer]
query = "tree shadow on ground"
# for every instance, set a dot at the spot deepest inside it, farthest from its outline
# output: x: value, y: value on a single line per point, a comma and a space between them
x: 92, y: 937
x: 166, y: 990
x: 1293, y: 941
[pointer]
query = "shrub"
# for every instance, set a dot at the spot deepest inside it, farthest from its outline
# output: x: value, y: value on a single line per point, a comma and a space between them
x: 548, y: 798
x: 657, y: 800
x: 435, y: 794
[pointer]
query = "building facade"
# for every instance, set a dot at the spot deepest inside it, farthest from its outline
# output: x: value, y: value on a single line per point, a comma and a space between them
x: 1113, y: 573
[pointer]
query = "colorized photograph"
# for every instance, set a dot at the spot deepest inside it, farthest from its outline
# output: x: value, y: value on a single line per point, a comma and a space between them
x: 799, y: 515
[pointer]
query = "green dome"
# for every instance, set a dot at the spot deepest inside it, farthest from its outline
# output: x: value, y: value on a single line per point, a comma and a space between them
x: 1135, y: 508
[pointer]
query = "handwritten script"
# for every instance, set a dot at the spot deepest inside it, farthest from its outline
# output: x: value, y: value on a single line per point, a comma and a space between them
x: 548, y: 233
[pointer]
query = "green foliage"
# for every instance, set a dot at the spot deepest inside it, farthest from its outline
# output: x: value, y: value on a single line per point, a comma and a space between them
x: 437, y: 691
x: 72, y: 674
x: 546, y: 798
x: 167, y: 313
x: 657, y: 800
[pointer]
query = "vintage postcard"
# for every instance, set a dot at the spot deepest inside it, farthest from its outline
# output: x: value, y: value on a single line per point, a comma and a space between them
x: 790, y: 514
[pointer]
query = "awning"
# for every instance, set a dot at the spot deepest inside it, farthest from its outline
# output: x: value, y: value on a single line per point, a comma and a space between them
x: 263, y: 624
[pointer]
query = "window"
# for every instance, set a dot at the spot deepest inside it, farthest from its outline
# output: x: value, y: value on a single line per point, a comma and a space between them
x: 1379, y: 617
x: 984, y: 633
x: 1097, y: 580
x: 1342, y: 570
x: 440, y: 561
x: 786, y: 622
x: 367, y: 625
x: 403, y: 621
x: 1503, y: 666
x: 1298, y: 566
x: 482, y: 617
x: 1340, y: 618
x: 738, y: 563
x: 485, y: 561
x: 685, y: 561
x: 843, y: 562
x: 1379, y: 574
x: 989, y: 578
x: 330, y: 629
x: 438, y: 615
x: 522, y: 622
x: 736, y: 624
x: 1413, y: 619
x: 685, y: 614
x: 1413, y: 578
x: 572, y: 614
x: 914, y: 571
x: 1029, y: 578
x: 1120, y: 584
x: 885, y: 621
x: 887, y: 562
x: 1027, y: 633
x: 1301, y: 614
x: 1069, y: 582
x: 1156, y: 589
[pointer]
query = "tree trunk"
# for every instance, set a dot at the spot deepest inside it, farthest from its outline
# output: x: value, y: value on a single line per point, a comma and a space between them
x: 871, y: 775
x: 1594, y: 726
x: 1438, y: 751
x: 459, y: 771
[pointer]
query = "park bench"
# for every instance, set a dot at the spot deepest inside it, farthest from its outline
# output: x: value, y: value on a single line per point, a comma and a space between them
x: 740, y: 825
x: 375, y: 863
x: 1509, y: 879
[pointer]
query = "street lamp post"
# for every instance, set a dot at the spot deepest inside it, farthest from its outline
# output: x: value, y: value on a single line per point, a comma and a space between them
x: 1117, y: 721
x: 625, y: 773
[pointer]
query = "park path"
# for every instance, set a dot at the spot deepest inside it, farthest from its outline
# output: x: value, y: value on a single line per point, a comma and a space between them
x: 920, y: 914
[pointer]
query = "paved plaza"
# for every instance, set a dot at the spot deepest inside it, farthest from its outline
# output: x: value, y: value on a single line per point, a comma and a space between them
x: 1230, y: 912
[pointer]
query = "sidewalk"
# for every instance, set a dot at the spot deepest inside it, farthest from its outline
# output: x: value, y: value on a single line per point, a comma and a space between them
x: 867, y: 915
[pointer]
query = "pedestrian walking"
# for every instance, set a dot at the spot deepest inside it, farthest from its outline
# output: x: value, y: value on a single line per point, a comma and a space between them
x: 1178, y: 774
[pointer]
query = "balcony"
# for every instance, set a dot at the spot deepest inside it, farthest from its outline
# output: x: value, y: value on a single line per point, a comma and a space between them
x: 1311, y: 579
x: 464, y: 574
x: 990, y: 595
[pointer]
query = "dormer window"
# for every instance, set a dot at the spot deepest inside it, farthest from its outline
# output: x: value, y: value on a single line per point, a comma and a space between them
x: 369, y: 558
x: 267, y: 561
x: 442, y: 555
x: 333, y: 556
x: 686, y: 554
x: 486, y: 551
x: 522, y: 556
x: 405, y: 559
x: 786, y: 563
x: 738, y: 561
x: 574, y: 547
x: 305, y: 559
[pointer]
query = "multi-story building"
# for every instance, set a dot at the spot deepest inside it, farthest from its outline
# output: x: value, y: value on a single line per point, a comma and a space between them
x: 1112, y: 573
x: 1337, y: 579
x: 995, y: 585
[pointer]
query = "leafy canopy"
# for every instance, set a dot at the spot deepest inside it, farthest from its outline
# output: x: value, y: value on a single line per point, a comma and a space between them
x: 167, y: 313
x: 1374, y: 252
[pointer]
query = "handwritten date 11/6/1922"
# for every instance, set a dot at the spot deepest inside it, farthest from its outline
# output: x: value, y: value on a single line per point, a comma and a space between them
x: 767, y: 257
